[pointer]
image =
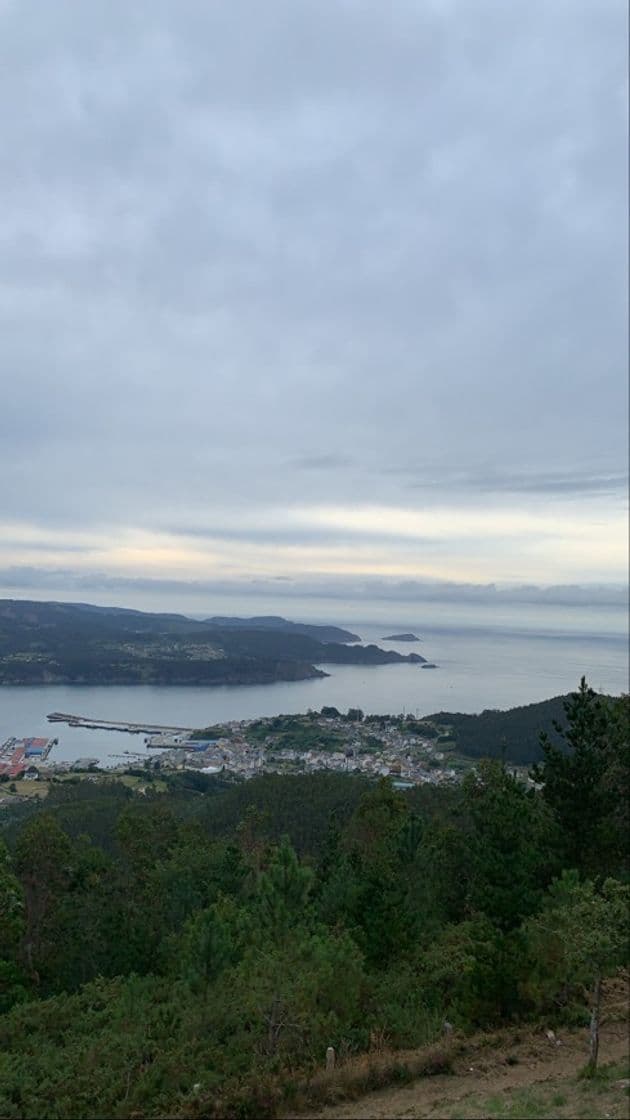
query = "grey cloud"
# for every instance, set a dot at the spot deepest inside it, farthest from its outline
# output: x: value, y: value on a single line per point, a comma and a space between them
x: 577, y: 484
x: 364, y: 589
x: 320, y: 462
x: 253, y: 253
x: 15, y: 544
x: 303, y: 535
x: 558, y: 484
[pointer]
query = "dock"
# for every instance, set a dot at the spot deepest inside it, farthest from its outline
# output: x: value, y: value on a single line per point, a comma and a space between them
x: 94, y: 724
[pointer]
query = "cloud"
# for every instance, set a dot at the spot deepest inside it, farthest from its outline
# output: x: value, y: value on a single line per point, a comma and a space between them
x: 320, y: 462
x: 577, y: 484
x: 365, y: 590
x: 546, y: 543
x: 258, y: 258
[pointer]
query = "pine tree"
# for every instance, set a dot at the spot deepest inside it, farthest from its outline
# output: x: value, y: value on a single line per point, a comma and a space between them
x: 573, y: 777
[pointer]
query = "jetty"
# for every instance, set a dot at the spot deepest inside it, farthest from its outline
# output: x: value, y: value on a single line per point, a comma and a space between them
x: 94, y: 724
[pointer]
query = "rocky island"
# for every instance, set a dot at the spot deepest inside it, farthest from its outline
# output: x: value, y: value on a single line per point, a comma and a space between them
x: 401, y: 638
x: 77, y: 643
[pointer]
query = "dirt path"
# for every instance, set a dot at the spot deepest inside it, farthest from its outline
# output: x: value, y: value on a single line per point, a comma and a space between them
x: 510, y: 1073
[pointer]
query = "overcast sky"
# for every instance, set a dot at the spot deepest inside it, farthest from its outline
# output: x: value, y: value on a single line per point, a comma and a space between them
x: 313, y: 301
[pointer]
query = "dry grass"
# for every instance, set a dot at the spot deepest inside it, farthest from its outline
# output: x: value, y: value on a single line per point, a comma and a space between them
x: 270, y: 1096
x: 510, y: 1073
x: 376, y: 1070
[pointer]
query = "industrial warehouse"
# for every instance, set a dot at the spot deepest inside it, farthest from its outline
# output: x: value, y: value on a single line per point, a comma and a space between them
x: 17, y: 756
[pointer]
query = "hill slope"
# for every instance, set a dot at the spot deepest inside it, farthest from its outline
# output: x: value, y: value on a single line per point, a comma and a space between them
x: 76, y: 643
x: 515, y: 732
x: 511, y: 1073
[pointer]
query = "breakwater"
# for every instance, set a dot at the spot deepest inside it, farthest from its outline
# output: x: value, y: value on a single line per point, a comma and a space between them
x: 94, y: 724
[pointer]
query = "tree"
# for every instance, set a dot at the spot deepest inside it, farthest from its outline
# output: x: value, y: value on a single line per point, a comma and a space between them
x: 291, y: 1001
x: 439, y: 878
x: 615, y: 825
x: 43, y: 862
x: 253, y: 836
x: 465, y: 972
x: 510, y: 845
x: 205, y: 949
x: 12, y: 906
x: 369, y: 884
x: 12, y: 923
x: 282, y: 892
x: 146, y: 835
x: 580, y: 937
x: 573, y: 776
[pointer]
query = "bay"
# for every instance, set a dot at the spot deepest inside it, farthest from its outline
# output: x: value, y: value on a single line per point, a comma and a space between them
x: 478, y: 669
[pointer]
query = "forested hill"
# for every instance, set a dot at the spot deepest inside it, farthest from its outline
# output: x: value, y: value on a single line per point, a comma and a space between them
x: 513, y: 734
x: 76, y: 643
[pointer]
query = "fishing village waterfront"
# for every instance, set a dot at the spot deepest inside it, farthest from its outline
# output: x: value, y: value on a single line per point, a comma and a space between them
x: 406, y: 750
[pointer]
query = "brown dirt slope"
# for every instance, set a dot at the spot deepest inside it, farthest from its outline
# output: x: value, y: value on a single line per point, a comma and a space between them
x: 511, y: 1073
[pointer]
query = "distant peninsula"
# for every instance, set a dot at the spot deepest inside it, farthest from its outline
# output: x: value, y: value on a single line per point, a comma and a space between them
x: 401, y: 638
x: 77, y: 643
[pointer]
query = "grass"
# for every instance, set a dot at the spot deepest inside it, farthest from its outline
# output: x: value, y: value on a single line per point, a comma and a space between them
x: 373, y: 1071
x: 575, y: 1098
x: 134, y: 780
x: 522, y: 1104
x: 40, y: 788
x: 25, y: 789
x: 279, y: 1096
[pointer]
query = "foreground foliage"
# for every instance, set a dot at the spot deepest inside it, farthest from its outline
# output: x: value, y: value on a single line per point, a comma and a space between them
x: 174, y: 953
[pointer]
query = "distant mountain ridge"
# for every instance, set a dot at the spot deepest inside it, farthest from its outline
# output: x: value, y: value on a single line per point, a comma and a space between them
x: 77, y: 643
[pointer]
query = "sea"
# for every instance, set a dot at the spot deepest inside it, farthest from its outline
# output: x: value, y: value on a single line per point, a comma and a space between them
x: 477, y: 668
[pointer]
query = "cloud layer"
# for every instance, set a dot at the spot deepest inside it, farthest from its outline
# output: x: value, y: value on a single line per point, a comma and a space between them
x: 314, y: 292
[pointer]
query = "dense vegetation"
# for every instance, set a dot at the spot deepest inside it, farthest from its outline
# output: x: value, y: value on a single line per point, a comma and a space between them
x: 74, y: 643
x: 194, y: 952
x: 513, y: 735
x: 299, y: 733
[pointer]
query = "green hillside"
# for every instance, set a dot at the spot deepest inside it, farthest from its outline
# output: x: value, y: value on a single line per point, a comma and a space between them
x: 513, y: 734
x: 191, y: 948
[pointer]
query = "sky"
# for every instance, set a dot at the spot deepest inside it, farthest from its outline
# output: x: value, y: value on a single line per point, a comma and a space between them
x: 314, y: 306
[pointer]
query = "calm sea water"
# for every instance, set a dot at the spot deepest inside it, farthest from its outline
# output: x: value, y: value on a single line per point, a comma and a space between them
x: 477, y: 670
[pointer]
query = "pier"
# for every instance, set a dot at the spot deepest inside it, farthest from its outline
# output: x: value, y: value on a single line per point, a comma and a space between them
x: 93, y: 724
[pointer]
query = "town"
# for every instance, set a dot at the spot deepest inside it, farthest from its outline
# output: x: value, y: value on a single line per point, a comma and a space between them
x: 408, y: 750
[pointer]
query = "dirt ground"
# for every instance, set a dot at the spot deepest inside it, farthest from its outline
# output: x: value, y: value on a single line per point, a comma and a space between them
x: 513, y: 1074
